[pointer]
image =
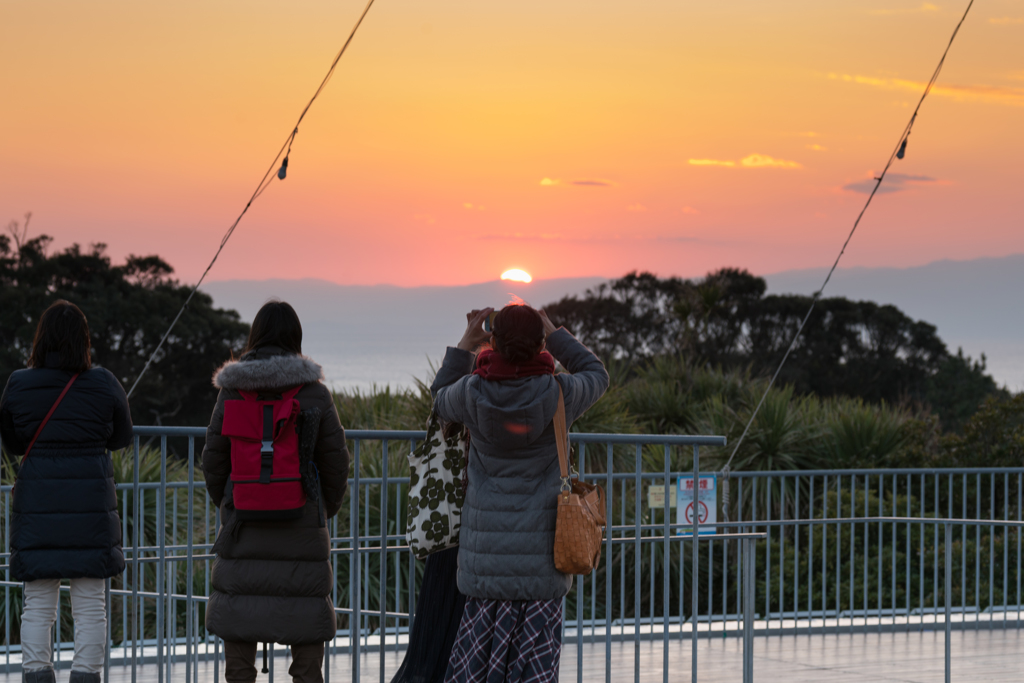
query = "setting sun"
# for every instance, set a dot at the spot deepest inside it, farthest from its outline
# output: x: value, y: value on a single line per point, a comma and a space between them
x: 516, y: 275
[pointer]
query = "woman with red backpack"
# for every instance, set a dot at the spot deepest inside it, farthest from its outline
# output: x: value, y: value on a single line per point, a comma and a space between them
x: 64, y: 416
x: 276, y: 464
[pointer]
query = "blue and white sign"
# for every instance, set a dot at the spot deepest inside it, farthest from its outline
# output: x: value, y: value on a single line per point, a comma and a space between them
x: 707, y: 503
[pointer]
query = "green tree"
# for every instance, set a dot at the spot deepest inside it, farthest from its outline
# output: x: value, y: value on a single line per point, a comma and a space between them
x: 129, y: 307
x: 992, y: 437
x: 847, y: 348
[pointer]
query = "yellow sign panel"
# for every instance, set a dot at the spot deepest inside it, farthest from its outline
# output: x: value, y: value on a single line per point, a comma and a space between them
x: 656, y: 498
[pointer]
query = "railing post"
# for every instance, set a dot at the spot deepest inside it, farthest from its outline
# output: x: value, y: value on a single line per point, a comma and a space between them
x: 694, y: 592
x: 216, y: 639
x: 110, y: 617
x: 383, y: 592
x: 161, y: 568
x: 355, y: 629
x: 191, y: 649
x: 581, y: 592
x: 666, y: 567
x: 609, y: 563
x: 948, y: 593
x: 636, y: 566
x: 747, y: 549
x: 135, y: 560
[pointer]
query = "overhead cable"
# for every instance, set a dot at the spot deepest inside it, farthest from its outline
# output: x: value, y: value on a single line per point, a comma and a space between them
x: 265, y: 181
x: 898, y: 153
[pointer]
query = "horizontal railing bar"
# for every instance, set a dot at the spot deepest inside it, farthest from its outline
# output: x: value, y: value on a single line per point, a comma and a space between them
x: 859, y: 520
x: 174, y: 558
x: 121, y: 591
x: 575, y: 437
x: 130, y: 556
x: 653, y: 476
x: 385, y: 434
x: 418, y: 435
x: 150, y: 485
x: 783, y: 474
x: 368, y: 549
x: 653, y: 439
x: 169, y: 548
x: 372, y: 613
x: 660, y: 476
x: 155, y: 430
x: 621, y: 439
x: 682, y: 525
x: 686, y: 537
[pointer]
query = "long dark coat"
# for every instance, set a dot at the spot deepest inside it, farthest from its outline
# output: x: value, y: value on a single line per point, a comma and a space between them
x: 272, y: 580
x: 64, y: 522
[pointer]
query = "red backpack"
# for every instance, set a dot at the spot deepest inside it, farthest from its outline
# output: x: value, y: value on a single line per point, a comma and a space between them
x: 265, y: 468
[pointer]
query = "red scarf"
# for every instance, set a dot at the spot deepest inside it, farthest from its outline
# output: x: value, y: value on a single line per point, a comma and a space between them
x: 493, y: 367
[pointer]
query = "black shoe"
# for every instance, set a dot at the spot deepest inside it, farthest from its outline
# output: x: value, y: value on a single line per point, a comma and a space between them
x: 41, y: 676
x: 81, y: 677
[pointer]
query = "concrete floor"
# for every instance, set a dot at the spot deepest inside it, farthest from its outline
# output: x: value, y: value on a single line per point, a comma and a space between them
x: 915, y: 657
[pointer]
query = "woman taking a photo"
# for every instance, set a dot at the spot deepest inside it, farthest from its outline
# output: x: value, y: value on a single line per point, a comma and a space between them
x: 272, y: 578
x: 507, y: 397
x: 65, y: 417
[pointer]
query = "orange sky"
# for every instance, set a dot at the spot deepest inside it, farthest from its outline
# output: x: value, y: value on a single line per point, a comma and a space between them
x: 459, y: 138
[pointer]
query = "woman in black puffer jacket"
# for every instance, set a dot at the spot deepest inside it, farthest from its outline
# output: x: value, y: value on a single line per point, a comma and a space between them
x: 65, y: 523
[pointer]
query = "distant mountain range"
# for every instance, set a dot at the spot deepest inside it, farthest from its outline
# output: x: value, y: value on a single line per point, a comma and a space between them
x: 389, y: 335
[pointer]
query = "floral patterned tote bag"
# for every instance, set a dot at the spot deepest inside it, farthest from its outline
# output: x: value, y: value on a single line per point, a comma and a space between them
x: 435, y: 492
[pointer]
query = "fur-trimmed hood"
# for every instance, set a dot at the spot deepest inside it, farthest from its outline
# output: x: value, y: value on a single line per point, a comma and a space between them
x: 267, y: 371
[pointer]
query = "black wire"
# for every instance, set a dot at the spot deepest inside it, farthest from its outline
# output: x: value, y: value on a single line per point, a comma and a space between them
x: 874, y: 190
x: 264, y: 183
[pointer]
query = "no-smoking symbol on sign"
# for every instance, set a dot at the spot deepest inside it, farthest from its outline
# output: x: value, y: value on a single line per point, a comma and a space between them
x: 703, y: 513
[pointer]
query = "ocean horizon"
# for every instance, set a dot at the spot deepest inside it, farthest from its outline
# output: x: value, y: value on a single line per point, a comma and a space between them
x: 383, y: 335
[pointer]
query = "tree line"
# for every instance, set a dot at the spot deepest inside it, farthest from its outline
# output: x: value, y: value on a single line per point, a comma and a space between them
x: 128, y: 307
x: 726, y: 319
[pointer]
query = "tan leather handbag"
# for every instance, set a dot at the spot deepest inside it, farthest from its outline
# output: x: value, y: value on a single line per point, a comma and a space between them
x: 581, y: 514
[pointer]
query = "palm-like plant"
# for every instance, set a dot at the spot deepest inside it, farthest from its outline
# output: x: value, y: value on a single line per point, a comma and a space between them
x: 861, y: 435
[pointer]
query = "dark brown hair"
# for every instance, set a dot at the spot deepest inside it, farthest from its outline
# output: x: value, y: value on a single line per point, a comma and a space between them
x: 276, y: 324
x: 62, y: 332
x: 518, y: 333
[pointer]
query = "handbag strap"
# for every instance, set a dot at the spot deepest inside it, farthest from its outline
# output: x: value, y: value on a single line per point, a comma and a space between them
x: 48, y: 415
x: 562, y: 440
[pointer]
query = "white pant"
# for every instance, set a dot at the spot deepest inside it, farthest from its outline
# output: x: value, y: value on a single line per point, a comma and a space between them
x: 40, y: 612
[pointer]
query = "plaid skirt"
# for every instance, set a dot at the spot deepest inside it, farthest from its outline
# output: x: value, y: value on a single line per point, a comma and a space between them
x: 503, y: 641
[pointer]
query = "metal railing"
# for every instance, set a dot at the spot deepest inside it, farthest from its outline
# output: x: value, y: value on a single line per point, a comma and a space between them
x: 807, y: 552
x: 868, y: 545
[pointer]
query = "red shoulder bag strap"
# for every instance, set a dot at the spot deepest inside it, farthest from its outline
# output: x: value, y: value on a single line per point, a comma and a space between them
x: 48, y: 415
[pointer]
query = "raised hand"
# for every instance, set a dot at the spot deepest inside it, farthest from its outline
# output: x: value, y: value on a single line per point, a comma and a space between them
x: 475, y: 334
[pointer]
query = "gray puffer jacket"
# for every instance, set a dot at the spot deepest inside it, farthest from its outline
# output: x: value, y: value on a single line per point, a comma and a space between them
x: 508, y: 520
